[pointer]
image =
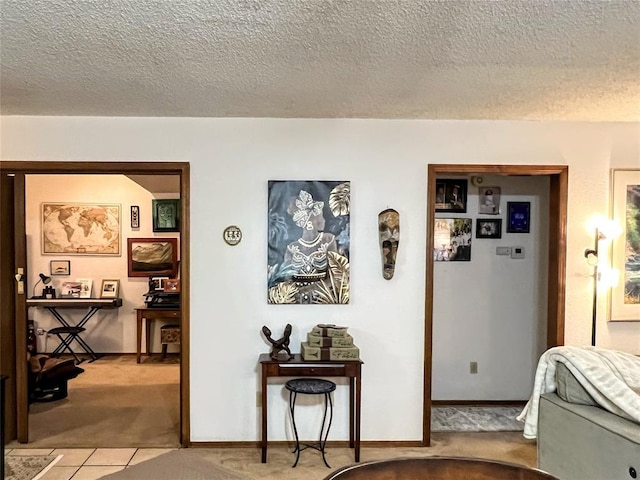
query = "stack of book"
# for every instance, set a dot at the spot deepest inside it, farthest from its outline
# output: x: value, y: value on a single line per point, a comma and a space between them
x: 329, y: 342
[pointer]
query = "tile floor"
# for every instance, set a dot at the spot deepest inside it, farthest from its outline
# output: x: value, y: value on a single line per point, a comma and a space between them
x: 90, y: 463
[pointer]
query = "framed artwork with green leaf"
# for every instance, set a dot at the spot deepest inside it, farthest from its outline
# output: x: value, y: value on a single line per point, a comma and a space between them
x: 308, y: 242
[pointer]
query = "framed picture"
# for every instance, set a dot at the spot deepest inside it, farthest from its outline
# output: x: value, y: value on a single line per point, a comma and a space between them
x: 625, y: 249
x: 489, y: 200
x: 172, y: 285
x: 152, y: 257
x: 157, y: 283
x: 166, y: 215
x: 80, y: 229
x: 488, y: 228
x: 518, y: 217
x: 135, y: 216
x: 452, y: 240
x: 451, y: 195
x: 71, y: 289
x: 110, y: 289
x: 86, y: 285
x: 60, y: 267
x: 308, y: 242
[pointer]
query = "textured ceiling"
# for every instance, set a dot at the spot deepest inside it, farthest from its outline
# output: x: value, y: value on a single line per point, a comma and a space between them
x: 512, y: 59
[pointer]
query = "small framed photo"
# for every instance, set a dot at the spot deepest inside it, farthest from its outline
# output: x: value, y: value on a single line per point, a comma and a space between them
x: 519, y: 217
x: 488, y: 228
x: 60, y: 267
x: 451, y: 195
x: 135, y: 216
x: 489, y: 200
x: 86, y: 284
x: 172, y: 285
x: 110, y: 289
x: 166, y: 215
x: 71, y: 289
x: 157, y: 283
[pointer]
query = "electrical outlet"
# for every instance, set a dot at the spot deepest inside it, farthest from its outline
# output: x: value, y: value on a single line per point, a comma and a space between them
x: 40, y: 331
x: 473, y: 367
x: 258, y: 399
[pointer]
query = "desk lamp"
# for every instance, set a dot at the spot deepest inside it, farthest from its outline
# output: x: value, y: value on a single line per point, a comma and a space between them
x: 44, y: 279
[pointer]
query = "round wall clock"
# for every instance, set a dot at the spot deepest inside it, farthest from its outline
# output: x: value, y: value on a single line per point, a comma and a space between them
x: 232, y: 235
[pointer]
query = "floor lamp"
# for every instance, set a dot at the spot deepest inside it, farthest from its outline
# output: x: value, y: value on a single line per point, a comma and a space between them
x: 591, y: 254
x: 608, y: 231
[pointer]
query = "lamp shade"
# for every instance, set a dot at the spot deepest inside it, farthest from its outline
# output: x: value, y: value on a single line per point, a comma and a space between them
x: 45, y: 279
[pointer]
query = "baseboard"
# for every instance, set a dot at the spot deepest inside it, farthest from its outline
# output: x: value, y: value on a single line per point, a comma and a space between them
x: 285, y: 443
x: 480, y: 403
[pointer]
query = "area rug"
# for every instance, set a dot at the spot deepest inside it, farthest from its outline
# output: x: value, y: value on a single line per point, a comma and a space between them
x: 184, y: 464
x: 28, y: 467
x: 475, y: 419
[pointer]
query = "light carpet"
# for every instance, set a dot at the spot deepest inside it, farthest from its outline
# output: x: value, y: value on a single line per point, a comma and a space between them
x: 244, y: 463
x: 28, y: 467
x: 475, y: 419
x: 114, y: 403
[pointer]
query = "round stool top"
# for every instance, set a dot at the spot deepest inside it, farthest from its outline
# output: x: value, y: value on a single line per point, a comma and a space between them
x: 310, y: 385
x: 75, y: 330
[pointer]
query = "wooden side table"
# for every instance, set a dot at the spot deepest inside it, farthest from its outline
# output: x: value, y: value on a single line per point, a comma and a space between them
x: 151, y: 314
x: 297, y: 367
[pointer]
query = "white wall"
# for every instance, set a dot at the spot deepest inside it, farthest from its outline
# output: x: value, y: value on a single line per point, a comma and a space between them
x: 386, y: 161
x: 109, y: 330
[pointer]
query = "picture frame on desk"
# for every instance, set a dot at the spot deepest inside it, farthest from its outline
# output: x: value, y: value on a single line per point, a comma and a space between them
x: 110, y: 288
x: 172, y: 285
x: 71, y: 289
x: 86, y: 286
x: 157, y: 283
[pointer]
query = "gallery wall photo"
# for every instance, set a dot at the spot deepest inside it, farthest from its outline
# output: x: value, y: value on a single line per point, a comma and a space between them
x: 308, y: 241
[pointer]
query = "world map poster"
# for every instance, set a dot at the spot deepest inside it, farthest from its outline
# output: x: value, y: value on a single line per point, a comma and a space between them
x: 80, y: 229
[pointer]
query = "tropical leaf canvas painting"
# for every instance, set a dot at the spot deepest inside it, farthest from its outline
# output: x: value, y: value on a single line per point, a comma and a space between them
x: 308, y: 243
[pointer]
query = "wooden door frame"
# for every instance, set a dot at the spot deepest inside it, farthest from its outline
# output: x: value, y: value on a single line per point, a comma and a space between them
x: 556, y: 284
x: 132, y: 168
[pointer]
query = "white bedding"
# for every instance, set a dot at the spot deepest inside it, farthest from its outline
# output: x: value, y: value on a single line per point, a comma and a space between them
x: 612, y: 378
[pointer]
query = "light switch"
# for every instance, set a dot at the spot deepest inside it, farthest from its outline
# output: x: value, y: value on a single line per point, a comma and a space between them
x: 517, y: 252
x: 503, y: 250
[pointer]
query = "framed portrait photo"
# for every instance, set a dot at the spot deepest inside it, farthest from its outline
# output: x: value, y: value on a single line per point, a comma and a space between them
x: 489, y: 200
x: 518, y: 217
x: 451, y: 195
x: 166, y: 215
x: 491, y: 228
x: 110, y: 289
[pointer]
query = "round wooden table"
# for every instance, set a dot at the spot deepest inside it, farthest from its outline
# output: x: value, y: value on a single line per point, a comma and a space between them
x: 438, y: 468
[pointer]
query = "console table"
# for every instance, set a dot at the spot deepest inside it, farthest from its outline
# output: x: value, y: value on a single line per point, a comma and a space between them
x: 54, y: 305
x: 151, y: 314
x: 297, y: 367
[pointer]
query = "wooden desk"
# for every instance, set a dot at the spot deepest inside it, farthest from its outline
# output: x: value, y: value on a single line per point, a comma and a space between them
x: 297, y: 367
x: 151, y: 314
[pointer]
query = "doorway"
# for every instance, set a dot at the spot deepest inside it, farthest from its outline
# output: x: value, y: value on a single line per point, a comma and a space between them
x: 13, y: 320
x: 557, y: 217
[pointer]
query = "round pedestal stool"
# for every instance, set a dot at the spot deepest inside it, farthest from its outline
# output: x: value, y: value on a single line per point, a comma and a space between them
x: 311, y: 386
